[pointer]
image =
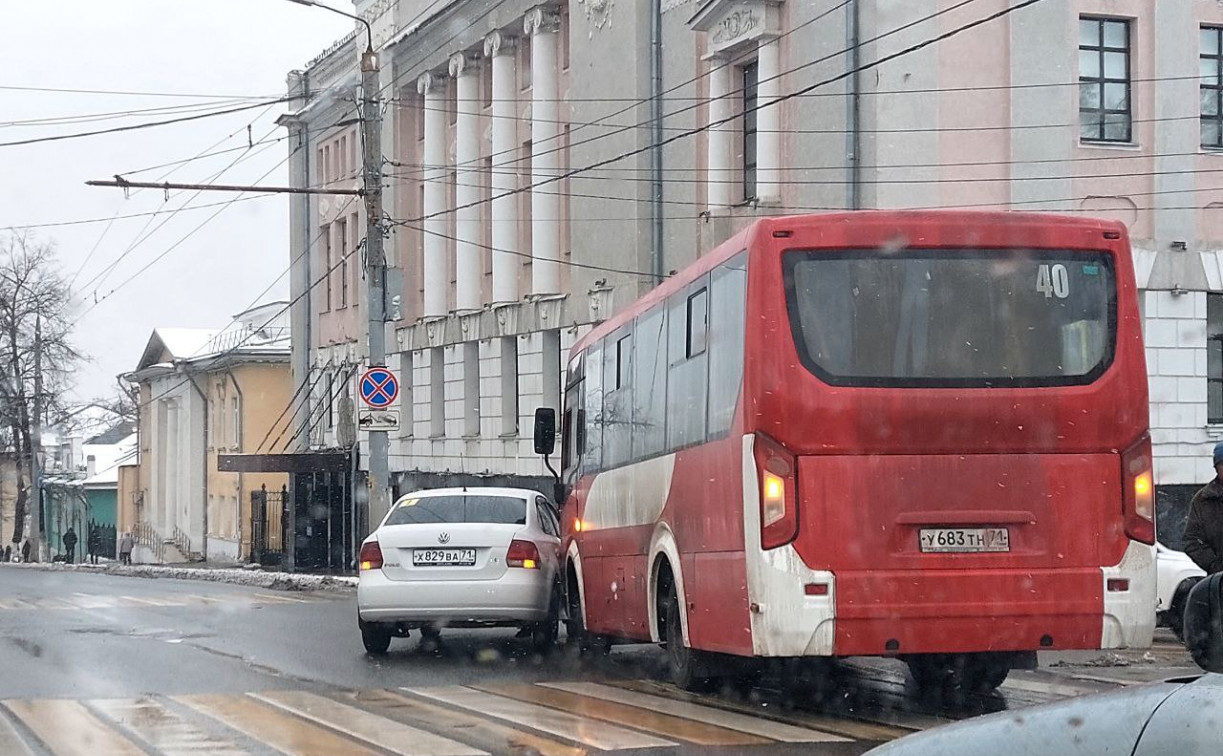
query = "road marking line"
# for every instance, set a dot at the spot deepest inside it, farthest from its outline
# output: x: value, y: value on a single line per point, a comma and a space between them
x: 487, y: 732
x: 52, y: 603
x: 67, y: 728
x: 370, y: 728
x: 287, y: 599
x: 853, y: 729
x: 169, y: 733
x: 151, y: 602
x: 9, y: 604
x: 1050, y: 688
x: 605, y: 737
x: 743, y: 723
x: 650, y: 721
x: 86, y: 601
x: 12, y: 744
x: 274, y: 728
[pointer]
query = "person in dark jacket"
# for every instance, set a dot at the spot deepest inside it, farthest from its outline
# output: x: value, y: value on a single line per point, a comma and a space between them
x: 69, y: 541
x: 1204, y: 528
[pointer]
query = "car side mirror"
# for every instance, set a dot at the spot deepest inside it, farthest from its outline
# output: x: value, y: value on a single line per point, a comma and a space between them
x: 545, y: 431
x: 1204, y: 623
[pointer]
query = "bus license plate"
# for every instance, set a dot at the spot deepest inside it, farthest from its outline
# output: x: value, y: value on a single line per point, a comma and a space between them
x: 965, y: 540
x: 444, y: 557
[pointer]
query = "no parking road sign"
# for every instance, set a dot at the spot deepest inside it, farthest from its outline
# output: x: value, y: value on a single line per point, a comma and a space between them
x: 378, y: 388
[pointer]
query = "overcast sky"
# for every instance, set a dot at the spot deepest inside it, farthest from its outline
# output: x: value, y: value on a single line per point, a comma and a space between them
x: 196, y: 49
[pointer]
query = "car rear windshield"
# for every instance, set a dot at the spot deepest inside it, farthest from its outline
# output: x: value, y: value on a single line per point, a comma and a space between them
x: 967, y: 318
x: 500, y: 510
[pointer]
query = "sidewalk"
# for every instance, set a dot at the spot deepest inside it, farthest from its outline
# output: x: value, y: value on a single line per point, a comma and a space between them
x: 258, y: 578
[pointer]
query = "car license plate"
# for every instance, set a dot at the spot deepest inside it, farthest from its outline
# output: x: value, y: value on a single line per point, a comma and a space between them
x: 964, y: 540
x: 444, y: 557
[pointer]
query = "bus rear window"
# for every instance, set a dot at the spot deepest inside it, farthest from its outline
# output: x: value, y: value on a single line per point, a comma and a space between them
x: 952, y: 318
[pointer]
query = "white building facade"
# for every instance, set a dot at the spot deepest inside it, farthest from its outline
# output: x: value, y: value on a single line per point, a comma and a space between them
x: 525, y: 199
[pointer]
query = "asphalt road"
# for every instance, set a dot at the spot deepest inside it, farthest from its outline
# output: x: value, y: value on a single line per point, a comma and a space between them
x: 101, y: 664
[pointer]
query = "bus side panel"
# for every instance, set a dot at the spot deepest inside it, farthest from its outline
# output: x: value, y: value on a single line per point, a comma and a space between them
x: 705, y: 512
x: 717, y: 594
x: 616, y: 593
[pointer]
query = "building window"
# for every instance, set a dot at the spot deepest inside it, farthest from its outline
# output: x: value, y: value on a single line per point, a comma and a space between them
x: 509, y: 385
x: 1214, y: 358
x: 1104, y: 80
x: 1211, y: 61
x: 486, y: 83
x: 406, y: 405
x: 524, y: 62
x: 329, y: 401
x: 419, y: 101
x: 326, y: 164
x: 437, y: 392
x: 471, y: 388
x: 320, y: 168
x: 325, y: 238
x: 751, y: 82
x: 352, y: 155
x: 341, y: 233
x: 353, y: 243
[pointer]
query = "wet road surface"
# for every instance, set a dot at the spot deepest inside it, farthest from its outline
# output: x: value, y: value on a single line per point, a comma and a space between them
x: 103, y: 664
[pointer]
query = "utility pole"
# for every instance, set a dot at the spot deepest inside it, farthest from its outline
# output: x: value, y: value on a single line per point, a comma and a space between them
x: 35, y: 509
x: 375, y: 271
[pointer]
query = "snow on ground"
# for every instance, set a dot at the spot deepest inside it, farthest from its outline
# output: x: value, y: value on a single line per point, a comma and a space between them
x: 255, y: 578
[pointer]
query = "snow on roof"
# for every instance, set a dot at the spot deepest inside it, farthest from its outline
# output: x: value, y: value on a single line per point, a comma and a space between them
x: 184, y: 343
x: 107, y: 458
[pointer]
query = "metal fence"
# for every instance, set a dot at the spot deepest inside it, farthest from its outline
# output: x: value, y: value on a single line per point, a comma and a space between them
x: 103, y: 538
x: 268, y: 525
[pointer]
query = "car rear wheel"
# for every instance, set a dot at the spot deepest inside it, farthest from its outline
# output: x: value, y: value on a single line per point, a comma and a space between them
x: 544, y: 634
x: 1175, y: 615
x: 376, y: 637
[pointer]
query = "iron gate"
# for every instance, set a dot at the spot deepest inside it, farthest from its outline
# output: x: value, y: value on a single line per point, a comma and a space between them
x: 268, y: 526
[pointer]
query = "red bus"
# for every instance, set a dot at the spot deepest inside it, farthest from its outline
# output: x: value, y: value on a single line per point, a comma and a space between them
x: 921, y: 435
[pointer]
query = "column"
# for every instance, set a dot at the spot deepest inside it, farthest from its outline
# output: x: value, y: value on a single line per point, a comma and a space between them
x: 467, y: 257
x: 542, y: 24
x: 768, y: 122
x: 430, y: 85
x: 499, y: 50
x: 720, y: 178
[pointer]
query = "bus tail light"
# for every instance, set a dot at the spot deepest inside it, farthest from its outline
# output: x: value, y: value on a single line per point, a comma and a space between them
x: 522, y: 554
x: 1138, y: 496
x: 371, y: 556
x: 778, y: 492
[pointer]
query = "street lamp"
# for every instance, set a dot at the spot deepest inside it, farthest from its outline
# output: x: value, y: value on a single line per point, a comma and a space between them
x: 369, y: 61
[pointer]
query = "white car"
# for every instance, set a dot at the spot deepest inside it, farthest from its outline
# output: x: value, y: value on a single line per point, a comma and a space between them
x: 473, y: 557
x: 1176, y: 573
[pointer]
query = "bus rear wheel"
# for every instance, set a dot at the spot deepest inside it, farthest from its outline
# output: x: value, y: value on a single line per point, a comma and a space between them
x: 960, y: 673
x: 687, y: 665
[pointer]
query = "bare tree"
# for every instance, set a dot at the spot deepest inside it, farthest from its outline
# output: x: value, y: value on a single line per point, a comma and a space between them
x: 37, y: 357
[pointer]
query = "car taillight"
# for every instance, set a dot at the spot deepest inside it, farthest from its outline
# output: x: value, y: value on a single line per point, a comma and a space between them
x: 778, y: 492
x: 371, y: 556
x: 1138, y: 499
x: 522, y: 554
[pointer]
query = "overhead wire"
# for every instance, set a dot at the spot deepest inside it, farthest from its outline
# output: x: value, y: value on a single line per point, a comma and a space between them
x: 138, y: 126
x: 561, y: 176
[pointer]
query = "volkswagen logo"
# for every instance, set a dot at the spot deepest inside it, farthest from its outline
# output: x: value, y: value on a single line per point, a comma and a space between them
x: 443, y: 537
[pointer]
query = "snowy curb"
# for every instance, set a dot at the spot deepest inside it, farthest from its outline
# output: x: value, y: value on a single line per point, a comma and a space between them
x: 279, y: 581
